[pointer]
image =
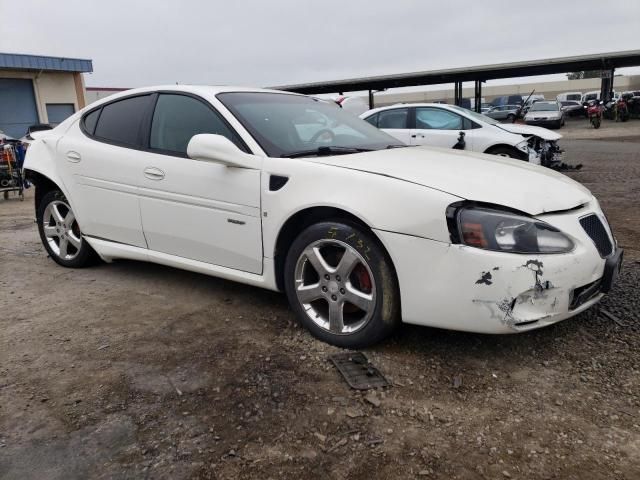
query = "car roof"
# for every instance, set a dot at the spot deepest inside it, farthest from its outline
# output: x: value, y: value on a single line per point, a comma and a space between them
x: 201, y: 90
x: 408, y: 105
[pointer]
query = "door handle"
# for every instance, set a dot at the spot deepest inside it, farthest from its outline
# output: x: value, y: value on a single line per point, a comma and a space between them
x: 153, y: 173
x: 73, y: 156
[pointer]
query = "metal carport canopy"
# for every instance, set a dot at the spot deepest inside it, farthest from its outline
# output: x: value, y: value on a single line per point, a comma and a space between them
x: 599, y: 61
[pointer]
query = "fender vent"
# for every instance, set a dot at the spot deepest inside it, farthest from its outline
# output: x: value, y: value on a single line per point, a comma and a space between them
x: 595, y: 229
x: 276, y: 182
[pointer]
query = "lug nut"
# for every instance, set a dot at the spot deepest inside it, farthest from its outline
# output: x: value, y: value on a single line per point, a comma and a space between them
x: 338, y: 277
x: 326, y: 276
x: 342, y: 291
x: 324, y: 289
x: 334, y: 298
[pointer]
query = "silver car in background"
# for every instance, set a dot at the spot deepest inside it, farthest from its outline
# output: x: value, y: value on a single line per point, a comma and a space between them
x: 545, y: 114
x: 504, y: 112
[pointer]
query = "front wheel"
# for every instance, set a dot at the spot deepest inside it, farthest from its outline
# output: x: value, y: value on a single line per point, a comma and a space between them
x: 508, y: 152
x: 595, y: 121
x: 60, y: 232
x: 341, y: 286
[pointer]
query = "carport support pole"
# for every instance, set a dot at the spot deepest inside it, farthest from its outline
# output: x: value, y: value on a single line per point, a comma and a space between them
x: 478, y: 96
x: 606, y: 86
x: 457, y: 93
x: 371, y: 105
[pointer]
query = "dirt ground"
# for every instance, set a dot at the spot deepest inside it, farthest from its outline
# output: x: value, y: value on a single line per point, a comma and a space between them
x: 132, y: 370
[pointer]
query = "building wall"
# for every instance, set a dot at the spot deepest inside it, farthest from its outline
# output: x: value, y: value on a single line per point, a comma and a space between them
x: 93, y: 94
x: 52, y: 87
x: 549, y: 89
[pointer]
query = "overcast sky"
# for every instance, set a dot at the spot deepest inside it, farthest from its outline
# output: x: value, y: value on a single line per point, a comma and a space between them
x: 274, y: 42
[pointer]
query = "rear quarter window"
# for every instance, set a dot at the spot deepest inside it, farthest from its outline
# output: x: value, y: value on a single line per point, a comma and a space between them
x: 373, y: 119
x: 90, y: 120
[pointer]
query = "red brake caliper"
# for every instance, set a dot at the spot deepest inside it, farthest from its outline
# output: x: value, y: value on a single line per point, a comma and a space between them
x: 363, y: 278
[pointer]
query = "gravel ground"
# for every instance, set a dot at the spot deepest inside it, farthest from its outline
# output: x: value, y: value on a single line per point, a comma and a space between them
x: 133, y: 370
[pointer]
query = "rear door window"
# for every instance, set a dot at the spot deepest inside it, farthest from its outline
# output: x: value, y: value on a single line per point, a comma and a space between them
x: 437, y: 119
x: 393, y: 119
x: 120, y: 122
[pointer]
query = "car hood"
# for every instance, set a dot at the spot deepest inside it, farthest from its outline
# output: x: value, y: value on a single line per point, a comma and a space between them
x: 520, y: 129
x: 472, y: 176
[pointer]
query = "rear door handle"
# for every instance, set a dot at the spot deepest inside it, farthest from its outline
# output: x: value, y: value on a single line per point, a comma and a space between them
x: 153, y: 173
x: 73, y: 156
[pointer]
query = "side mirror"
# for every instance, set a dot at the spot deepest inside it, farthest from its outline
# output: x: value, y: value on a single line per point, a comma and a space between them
x: 216, y: 148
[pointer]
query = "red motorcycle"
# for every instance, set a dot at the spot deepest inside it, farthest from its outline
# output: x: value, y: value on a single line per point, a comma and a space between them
x: 594, y: 112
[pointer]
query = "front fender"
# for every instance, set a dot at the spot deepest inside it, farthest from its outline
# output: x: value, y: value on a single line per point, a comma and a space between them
x: 381, y: 202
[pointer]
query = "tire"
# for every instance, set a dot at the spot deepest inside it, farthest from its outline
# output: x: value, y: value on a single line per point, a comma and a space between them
x: 339, y: 261
x: 507, y: 152
x: 596, y: 122
x: 60, y: 232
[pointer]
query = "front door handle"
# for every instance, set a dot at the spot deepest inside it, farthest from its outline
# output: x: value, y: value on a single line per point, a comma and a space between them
x: 153, y: 173
x: 73, y: 156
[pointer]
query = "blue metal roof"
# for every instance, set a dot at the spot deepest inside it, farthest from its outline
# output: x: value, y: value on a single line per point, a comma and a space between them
x: 14, y: 61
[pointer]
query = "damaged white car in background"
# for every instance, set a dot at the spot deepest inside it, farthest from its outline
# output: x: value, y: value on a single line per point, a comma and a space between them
x: 450, y: 126
x: 290, y: 193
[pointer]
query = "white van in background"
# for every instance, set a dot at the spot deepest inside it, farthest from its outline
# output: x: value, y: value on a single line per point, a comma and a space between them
x: 595, y: 95
x: 564, y: 97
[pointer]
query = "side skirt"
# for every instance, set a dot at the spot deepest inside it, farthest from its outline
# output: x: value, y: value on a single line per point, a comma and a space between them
x: 110, y: 251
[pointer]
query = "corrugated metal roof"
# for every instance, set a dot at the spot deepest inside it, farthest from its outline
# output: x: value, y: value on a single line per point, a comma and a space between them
x: 598, y: 61
x: 14, y: 61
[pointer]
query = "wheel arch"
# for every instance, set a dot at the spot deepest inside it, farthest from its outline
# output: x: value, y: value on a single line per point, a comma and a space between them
x: 42, y: 183
x: 302, y: 219
x: 490, y: 150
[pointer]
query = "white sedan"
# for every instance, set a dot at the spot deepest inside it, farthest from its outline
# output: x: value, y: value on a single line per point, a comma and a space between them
x: 290, y: 193
x: 440, y: 125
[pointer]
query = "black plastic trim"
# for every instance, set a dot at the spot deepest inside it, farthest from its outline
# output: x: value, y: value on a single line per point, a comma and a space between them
x: 276, y: 182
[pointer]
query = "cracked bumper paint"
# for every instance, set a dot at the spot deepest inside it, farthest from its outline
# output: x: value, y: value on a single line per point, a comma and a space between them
x: 463, y: 288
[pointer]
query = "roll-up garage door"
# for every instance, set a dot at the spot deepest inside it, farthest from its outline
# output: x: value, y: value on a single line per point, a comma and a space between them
x: 17, y: 106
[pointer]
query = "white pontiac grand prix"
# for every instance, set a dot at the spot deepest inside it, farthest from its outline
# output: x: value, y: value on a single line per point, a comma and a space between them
x: 290, y: 193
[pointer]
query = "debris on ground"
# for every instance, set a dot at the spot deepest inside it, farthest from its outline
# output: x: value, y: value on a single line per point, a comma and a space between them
x: 612, y: 317
x: 358, y: 372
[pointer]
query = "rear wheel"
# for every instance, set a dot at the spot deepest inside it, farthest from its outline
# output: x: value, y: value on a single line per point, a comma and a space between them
x: 60, y: 232
x: 340, y: 284
x: 511, y: 118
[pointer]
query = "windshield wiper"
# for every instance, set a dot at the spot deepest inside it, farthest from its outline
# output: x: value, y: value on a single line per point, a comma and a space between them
x: 325, y: 151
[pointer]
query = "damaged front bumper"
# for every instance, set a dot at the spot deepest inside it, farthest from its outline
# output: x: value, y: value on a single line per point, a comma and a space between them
x: 464, y: 288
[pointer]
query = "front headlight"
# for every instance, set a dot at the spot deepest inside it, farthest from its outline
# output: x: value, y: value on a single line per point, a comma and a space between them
x: 503, y: 231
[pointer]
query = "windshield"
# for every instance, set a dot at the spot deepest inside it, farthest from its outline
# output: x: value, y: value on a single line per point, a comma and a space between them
x: 285, y: 124
x: 544, y: 106
x: 477, y: 116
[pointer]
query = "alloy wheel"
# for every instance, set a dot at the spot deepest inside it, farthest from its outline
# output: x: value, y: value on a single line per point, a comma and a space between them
x: 335, y: 286
x: 61, y: 230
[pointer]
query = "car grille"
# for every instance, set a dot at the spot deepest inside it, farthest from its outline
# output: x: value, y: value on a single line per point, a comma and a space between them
x: 595, y: 229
